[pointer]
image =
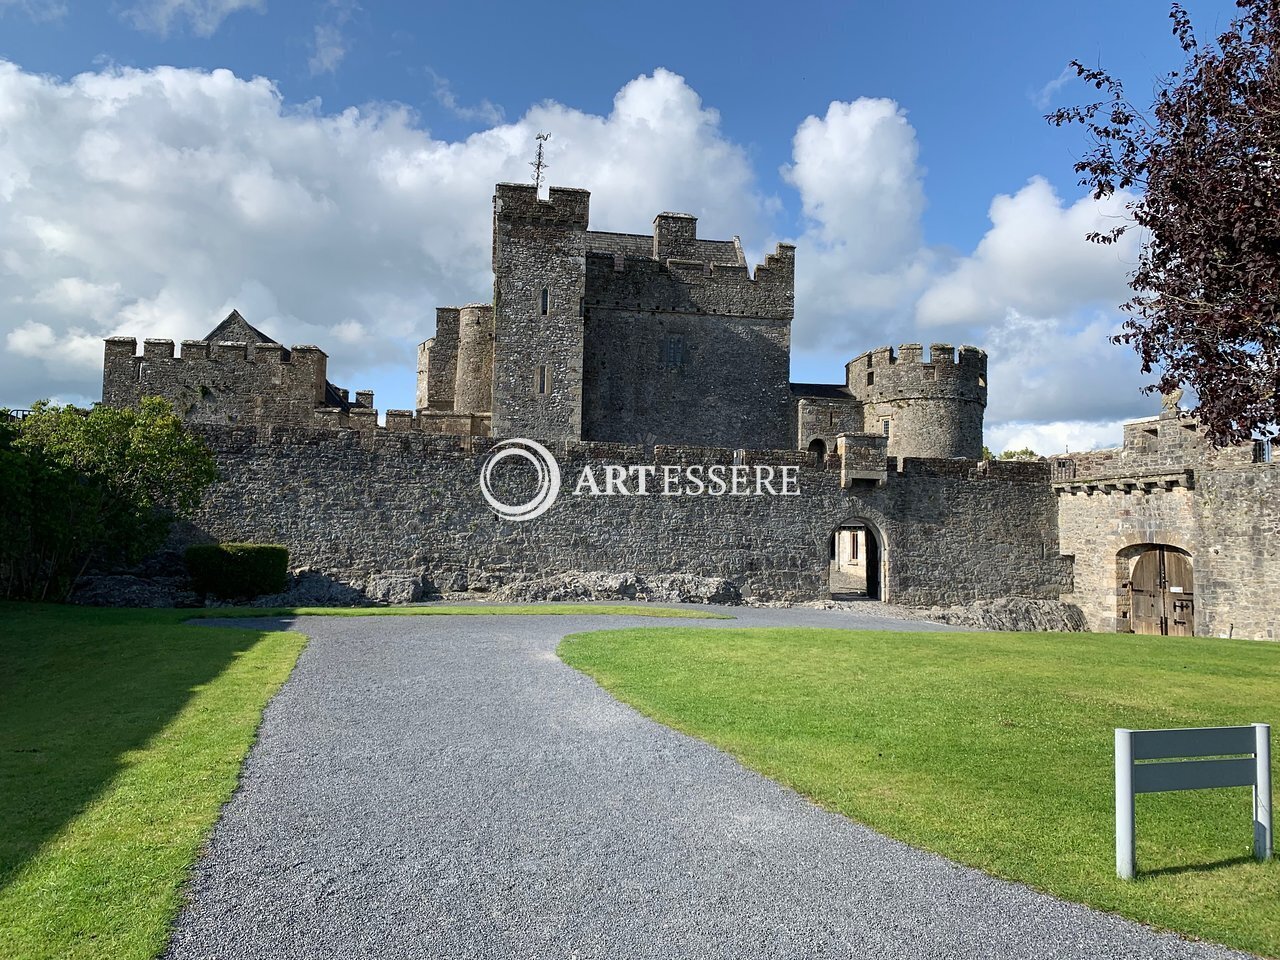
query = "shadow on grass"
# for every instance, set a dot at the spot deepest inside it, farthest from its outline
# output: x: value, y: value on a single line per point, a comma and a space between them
x: 79, y: 689
x: 1195, y: 867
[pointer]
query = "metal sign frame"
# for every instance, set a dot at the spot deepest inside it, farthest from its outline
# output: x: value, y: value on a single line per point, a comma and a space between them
x: 1181, y: 768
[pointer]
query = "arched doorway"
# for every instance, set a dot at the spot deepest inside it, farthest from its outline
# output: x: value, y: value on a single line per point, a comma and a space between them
x: 818, y: 450
x: 1157, y: 590
x: 856, y: 555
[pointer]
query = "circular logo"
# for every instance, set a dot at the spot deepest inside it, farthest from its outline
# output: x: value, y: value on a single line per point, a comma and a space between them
x: 548, y: 478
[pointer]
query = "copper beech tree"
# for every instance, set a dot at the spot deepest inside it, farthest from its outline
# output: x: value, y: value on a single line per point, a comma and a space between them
x: 1205, y: 156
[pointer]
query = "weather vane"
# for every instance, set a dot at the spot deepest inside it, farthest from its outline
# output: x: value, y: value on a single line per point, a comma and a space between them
x: 539, y: 165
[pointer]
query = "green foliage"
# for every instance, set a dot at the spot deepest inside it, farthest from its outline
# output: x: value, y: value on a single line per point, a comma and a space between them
x: 238, y: 570
x: 1026, y: 453
x: 986, y: 453
x: 993, y: 749
x: 91, y: 486
x: 1205, y: 155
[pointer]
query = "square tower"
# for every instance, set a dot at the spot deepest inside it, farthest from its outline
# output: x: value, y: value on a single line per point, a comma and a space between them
x: 539, y: 282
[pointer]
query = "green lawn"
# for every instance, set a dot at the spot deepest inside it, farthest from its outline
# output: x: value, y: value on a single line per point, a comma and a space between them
x: 122, y: 733
x: 993, y: 749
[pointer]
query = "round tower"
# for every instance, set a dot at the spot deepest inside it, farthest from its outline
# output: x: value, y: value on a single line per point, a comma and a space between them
x: 473, y: 388
x: 927, y: 408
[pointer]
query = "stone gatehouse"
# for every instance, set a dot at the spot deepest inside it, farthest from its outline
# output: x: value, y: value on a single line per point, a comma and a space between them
x: 638, y: 349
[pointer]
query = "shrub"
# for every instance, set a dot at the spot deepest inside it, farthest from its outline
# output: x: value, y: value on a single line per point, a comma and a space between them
x: 94, y: 487
x: 232, y: 571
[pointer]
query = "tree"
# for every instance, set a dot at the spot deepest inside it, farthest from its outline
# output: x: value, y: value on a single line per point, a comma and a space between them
x: 101, y: 486
x: 1026, y: 453
x: 1206, y: 306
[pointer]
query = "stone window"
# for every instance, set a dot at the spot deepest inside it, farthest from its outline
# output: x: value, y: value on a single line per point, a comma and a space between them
x: 675, y: 350
x: 542, y: 380
x: 546, y: 300
x: 871, y: 377
x: 884, y: 426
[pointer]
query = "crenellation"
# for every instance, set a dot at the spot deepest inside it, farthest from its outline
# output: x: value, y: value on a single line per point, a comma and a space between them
x: 663, y: 351
x: 157, y: 349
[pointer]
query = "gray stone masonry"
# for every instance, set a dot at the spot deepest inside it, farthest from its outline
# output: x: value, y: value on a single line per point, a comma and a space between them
x: 356, y: 503
x: 933, y: 408
x: 1167, y: 486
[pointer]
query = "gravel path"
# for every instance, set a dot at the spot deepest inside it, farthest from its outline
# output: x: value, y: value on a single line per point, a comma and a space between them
x: 444, y: 787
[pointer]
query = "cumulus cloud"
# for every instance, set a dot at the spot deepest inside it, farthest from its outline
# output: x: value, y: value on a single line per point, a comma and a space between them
x: 149, y: 202
x: 1034, y: 259
x: 861, y: 256
x: 204, y: 17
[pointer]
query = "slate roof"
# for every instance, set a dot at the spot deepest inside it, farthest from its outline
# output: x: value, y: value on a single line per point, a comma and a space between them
x: 821, y: 391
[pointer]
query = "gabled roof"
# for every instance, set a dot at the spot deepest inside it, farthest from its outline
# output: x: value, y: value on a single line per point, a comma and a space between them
x: 236, y: 329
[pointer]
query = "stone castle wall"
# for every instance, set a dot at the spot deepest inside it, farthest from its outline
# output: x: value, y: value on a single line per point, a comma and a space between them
x: 222, y: 383
x: 539, y: 248
x: 688, y: 352
x: 355, y: 503
x: 1166, y: 486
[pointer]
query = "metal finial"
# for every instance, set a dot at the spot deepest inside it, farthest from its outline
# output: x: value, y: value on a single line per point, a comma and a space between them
x: 539, y: 165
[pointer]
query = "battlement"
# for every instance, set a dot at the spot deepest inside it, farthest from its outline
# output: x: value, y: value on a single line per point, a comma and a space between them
x: 884, y: 374
x: 693, y: 286
x: 567, y: 207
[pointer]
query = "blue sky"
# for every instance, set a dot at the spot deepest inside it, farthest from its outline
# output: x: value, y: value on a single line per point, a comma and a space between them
x: 342, y: 195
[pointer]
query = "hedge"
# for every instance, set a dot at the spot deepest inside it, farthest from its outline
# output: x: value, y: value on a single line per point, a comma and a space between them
x: 232, y: 571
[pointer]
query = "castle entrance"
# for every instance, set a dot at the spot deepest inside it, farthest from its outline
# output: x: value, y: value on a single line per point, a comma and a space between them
x: 856, y: 558
x: 1160, y: 590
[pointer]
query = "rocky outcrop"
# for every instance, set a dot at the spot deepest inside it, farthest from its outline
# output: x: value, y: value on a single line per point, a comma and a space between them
x: 1012, y: 613
x: 671, y: 588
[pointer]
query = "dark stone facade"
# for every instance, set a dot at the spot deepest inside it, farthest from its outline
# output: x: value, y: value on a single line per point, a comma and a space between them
x: 357, y: 504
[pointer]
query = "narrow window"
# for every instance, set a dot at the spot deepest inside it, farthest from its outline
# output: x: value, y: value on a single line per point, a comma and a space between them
x: 675, y: 350
x: 546, y: 300
x: 871, y: 377
x: 884, y: 425
x: 542, y: 381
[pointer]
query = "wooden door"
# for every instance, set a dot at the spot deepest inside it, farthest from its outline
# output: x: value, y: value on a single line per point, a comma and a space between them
x: 1162, y: 593
x: 1179, y: 594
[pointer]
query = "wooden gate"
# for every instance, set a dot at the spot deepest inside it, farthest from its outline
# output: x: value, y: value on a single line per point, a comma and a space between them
x: 1162, y: 593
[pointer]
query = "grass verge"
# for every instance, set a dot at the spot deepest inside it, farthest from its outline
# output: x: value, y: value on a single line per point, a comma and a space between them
x: 122, y: 733
x: 469, y: 610
x: 992, y: 749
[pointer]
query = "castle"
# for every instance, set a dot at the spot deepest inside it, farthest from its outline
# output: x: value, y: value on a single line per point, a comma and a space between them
x: 667, y: 349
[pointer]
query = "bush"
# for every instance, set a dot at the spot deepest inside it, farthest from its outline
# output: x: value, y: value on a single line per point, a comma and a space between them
x: 86, y: 488
x: 233, y: 571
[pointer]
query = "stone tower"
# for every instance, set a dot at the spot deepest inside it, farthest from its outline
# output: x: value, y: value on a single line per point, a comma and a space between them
x: 928, y: 408
x: 539, y: 270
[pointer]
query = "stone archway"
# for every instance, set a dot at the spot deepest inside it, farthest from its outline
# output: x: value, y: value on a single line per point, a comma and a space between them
x: 1156, y: 590
x: 858, y: 561
x: 818, y: 450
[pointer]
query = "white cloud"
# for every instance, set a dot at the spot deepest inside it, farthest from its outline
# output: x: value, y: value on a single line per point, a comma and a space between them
x: 1043, y: 98
x: 203, y: 16
x: 38, y: 10
x: 1035, y: 260
x: 149, y: 202
x: 328, y: 49
x: 484, y: 111
x: 861, y: 257
x: 1060, y: 436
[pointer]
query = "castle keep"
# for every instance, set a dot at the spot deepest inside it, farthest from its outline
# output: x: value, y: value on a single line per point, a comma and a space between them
x: 646, y: 350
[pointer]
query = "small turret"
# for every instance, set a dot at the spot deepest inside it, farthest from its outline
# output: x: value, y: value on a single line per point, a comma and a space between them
x: 927, y: 408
